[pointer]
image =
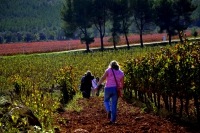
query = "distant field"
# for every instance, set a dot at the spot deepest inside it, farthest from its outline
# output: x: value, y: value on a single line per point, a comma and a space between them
x: 53, y: 46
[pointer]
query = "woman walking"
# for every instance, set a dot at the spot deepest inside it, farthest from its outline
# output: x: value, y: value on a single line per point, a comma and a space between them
x: 114, y: 79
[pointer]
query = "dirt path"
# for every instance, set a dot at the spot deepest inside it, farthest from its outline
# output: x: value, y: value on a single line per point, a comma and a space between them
x: 130, y: 119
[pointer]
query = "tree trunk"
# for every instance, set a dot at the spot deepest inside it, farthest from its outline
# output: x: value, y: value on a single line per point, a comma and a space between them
x: 180, y: 36
x: 186, y: 107
x: 158, y: 102
x: 155, y: 101
x: 114, y: 41
x: 128, y: 45
x: 174, y: 104
x: 165, y: 98
x: 181, y: 107
x: 65, y: 94
x: 101, y: 37
x: 170, y: 104
x: 136, y: 94
x: 87, y: 47
x: 141, y: 40
x: 196, y: 103
x: 131, y: 94
x: 140, y: 95
x: 150, y: 96
x: 170, y: 38
x: 102, y: 45
x: 86, y: 40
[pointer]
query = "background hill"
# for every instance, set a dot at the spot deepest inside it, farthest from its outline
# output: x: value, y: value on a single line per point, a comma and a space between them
x: 38, y: 20
x: 40, y: 17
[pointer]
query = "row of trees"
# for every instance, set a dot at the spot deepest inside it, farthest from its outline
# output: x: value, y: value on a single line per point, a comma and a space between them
x: 172, y: 16
x: 44, y: 35
x: 40, y: 20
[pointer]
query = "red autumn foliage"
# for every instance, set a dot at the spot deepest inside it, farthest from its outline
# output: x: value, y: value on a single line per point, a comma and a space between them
x: 54, y: 46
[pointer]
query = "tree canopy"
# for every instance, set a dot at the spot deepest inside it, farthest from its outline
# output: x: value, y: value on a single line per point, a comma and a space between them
x: 34, y: 20
x: 171, y: 16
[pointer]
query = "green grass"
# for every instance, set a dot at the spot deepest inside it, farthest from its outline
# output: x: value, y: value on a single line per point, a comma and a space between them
x: 40, y: 68
x: 72, y: 105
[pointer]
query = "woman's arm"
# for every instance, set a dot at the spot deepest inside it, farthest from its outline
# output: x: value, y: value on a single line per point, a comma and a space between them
x: 102, y: 79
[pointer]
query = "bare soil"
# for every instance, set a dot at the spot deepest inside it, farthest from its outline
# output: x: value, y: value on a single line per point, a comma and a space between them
x: 130, y: 119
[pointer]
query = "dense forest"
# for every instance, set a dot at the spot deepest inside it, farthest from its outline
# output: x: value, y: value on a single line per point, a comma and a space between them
x: 22, y: 20
x: 30, y: 20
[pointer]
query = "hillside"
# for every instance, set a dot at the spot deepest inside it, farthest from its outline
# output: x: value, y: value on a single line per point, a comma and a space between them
x: 23, y: 15
x: 25, y: 21
x: 35, y: 16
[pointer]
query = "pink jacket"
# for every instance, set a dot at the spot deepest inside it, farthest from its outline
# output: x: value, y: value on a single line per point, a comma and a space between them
x: 110, y: 79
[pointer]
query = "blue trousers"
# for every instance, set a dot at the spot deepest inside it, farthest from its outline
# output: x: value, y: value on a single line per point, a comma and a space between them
x: 110, y: 101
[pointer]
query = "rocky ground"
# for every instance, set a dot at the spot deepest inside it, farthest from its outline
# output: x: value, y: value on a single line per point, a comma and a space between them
x: 130, y: 119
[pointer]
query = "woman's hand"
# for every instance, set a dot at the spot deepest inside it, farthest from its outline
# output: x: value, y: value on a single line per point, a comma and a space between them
x: 96, y: 88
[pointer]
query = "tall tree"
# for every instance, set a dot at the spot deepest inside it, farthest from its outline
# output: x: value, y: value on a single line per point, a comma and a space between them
x: 166, y: 16
x: 143, y: 14
x: 99, y: 17
x: 126, y: 14
x: 76, y: 15
x: 114, y: 15
x: 184, y: 10
x: 196, y: 13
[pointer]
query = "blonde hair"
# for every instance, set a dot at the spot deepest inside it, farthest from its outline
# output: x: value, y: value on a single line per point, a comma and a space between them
x: 114, y: 64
